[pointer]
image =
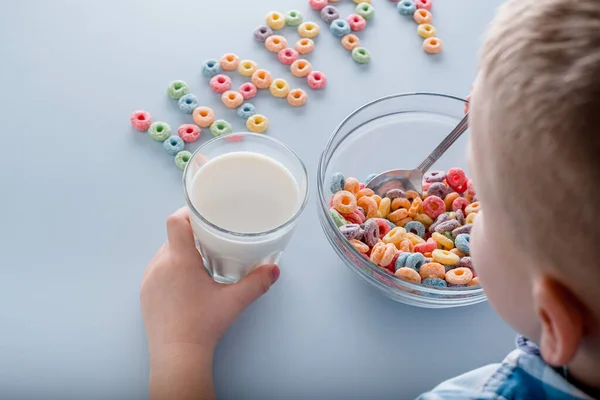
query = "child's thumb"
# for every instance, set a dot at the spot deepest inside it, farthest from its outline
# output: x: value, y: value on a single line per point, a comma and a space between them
x: 254, y: 285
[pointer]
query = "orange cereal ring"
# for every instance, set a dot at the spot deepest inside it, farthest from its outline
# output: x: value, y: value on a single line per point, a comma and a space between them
x: 406, y: 246
x: 247, y: 68
x: 301, y: 68
x: 305, y: 46
x: 472, y: 208
x: 432, y: 270
x: 262, y: 79
x: 275, y: 43
x: 404, y: 222
x: 445, y: 257
x: 203, y: 117
x: 360, y: 246
x: 400, y: 202
x: 350, y: 42
x: 232, y: 99
x: 383, y: 254
x: 352, y: 185
x: 423, y: 16
x: 364, y: 192
x: 459, y: 276
x: 344, y: 202
x: 385, y: 207
x: 449, y: 199
x: 415, y: 208
x: 458, y: 252
x: 432, y: 45
x: 395, y: 236
x: 415, y: 239
x: 408, y: 274
x: 412, y: 195
x: 369, y: 205
x: 398, y: 215
x: 474, y: 282
x: 297, y: 97
x: 230, y: 62
x: 424, y: 219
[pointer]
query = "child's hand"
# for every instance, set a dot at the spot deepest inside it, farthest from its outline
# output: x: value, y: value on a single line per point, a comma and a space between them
x: 186, y: 312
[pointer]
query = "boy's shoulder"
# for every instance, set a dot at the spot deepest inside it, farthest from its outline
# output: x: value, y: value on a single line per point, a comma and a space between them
x: 522, y: 375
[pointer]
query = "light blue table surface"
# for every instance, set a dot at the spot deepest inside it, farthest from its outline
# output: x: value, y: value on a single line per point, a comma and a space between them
x: 84, y: 200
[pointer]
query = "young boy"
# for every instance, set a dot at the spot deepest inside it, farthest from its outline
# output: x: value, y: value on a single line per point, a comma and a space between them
x: 535, y: 155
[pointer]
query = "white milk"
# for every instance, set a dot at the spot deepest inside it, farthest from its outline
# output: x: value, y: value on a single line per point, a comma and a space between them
x: 245, y: 193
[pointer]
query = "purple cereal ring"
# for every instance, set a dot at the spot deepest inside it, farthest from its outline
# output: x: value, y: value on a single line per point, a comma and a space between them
x: 371, y: 235
x: 395, y: 194
x: 435, y: 176
x: 352, y: 231
x: 447, y: 226
x: 463, y: 229
x: 460, y: 217
x: 467, y: 262
x: 441, y: 219
x: 437, y: 189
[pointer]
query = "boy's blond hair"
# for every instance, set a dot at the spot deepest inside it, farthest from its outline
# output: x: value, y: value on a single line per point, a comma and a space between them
x: 541, y: 70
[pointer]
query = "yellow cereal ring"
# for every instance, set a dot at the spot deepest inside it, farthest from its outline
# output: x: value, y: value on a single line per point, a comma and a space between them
x: 445, y: 257
x: 309, y: 30
x: 443, y: 241
x: 470, y: 218
x: 472, y: 208
x: 424, y: 219
x: 395, y: 236
x: 426, y: 30
x: 280, y: 88
x: 415, y: 239
x: 247, y: 68
x: 408, y: 274
x: 275, y: 20
x: 385, y: 207
x: 257, y: 123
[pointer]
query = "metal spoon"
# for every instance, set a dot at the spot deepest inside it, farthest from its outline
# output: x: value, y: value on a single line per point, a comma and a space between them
x: 413, y: 179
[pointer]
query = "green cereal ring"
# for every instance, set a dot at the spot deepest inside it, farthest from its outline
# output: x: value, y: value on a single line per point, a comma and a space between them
x: 293, y: 18
x: 182, y: 158
x: 220, y: 127
x: 361, y: 55
x: 159, y: 131
x: 177, y: 89
x: 365, y: 10
x: 337, y: 218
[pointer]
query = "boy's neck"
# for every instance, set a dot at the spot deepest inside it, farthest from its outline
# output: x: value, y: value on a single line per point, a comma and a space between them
x: 585, y: 376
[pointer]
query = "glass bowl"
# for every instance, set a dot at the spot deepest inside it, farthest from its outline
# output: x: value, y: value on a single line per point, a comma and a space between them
x: 394, y: 132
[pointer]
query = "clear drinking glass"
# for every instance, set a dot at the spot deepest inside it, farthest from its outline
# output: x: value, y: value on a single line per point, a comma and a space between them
x: 229, y: 256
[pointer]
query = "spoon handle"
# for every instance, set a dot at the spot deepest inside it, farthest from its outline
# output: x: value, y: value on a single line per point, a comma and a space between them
x: 445, y: 145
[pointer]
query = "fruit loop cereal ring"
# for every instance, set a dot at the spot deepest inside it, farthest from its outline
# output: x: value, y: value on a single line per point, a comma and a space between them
x: 339, y: 28
x: 356, y: 217
x: 415, y: 207
x: 316, y: 80
x: 470, y: 219
x: 220, y: 83
x: 465, y: 229
x: 220, y: 127
x: 385, y: 207
x: 401, y: 260
x: 396, y: 194
x: 262, y: 33
x: 337, y: 182
x: 357, y: 22
x: 415, y: 239
x: 434, y: 282
x: 433, y: 45
x: 173, y: 145
x: 188, y: 103
x: 248, y: 91
x: 460, y: 204
x: 364, y: 192
x: 432, y: 270
x: 308, y: 30
x: 447, y: 226
x: 437, y: 189
x: 159, y: 131
x: 426, y: 247
x: 262, y: 79
x: 426, y: 30
x: 352, y: 185
x: 301, y: 68
x: 329, y: 14
x: 425, y: 219
x: 422, y: 16
x: 398, y: 215
x: 344, y: 202
x: 257, y: 123
x: 317, y: 5
x: 293, y: 18
x: 350, y: 42
x: 383, y: 254
x: 305, y: 46
x: 140, y: 120
x: 463, y: 243
x: 275, y: 43
x: 415, y: 261
x: 371, y: 236
x: 447, y: 244
x: 230, y: 62
x: 474, y: 282
x: 395, y: 236
x: 297, y: 97
x: 182, y: 158
x: 361, y: 55
x: 337, y: 218
x: 449, y: 199
x: 189, y: 133
x: 409, y: 275
x: 365, y: 10
x: 211, y: 68
x: 434, y: 176
x: 434, y: 206
x: 203, y: 117
x: 424, y: 4
x: 459, y: 277
x: 360, y: 246
x: 248, y: 67
x: 472, y: 208
x: 352, y: 231
x: 177, y: 89
x: 275, y: 20
x: 232, y: 99
x: 287, y: 56
x: 407, y: 7
x: 280, y: 88
x: 384, y: 227
x: 460, y: 217
x: 445, y: 257
x: 442, y: 218
x: 416, y: 228
x: 246, y: 110
x: 459, y: 253
x: 400, y: 202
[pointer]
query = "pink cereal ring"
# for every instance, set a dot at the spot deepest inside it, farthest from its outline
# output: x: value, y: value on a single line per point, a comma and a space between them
x: 141, y: 120
x: 189, y: 132
x: 434, y: 206
x: 317, y: 5
x: 316, y: 80
x: 460, y: 204
x: 357, y: 22
x: 384, y: 227
x: 457, y: 180
x: 220, y: 83
x: 356, y: 217
x: 248, y: 90
x: 287, y: 56
x: 424, y: 4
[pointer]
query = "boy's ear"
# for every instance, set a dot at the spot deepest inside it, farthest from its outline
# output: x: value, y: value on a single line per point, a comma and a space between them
x: 562, y: 320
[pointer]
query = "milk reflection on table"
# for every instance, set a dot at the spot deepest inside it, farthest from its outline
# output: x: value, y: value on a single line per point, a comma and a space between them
x: 250, y: 197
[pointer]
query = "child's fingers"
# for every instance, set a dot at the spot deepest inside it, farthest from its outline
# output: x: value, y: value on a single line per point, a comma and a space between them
x: 252, y: 286
x: 179, y: 231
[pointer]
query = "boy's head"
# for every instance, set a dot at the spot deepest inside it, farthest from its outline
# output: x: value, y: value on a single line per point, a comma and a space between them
x: 535, y: 155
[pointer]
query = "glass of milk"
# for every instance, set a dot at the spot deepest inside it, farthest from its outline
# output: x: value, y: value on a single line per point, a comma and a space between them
x: 245, y: 192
